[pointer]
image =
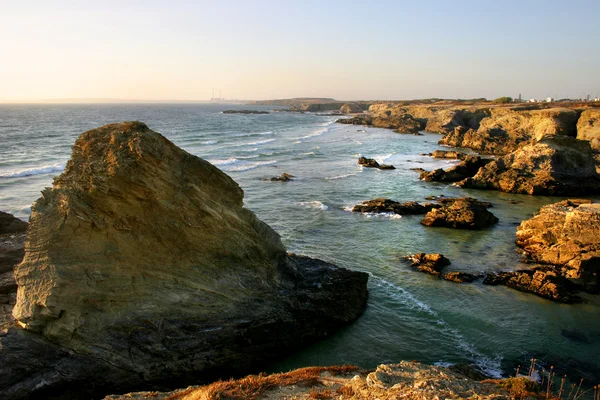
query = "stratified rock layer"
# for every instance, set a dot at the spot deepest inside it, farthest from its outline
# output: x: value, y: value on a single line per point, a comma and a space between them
x: 557, y: 165
x: 567, y: 235
x: 142, y: 263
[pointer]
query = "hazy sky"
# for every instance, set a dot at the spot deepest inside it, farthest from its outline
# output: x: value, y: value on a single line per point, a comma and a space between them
x: 181, y: 50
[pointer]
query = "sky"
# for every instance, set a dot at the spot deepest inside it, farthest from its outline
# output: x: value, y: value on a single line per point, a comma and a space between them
x: 349, y: 50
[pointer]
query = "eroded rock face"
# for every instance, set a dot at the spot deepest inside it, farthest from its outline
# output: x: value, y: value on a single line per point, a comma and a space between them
x: 142, y: 261
x: 554, y: 166
x: 567, y: 235
x: 464, y: 213
x: 588, y: 128
x: 506, y: 128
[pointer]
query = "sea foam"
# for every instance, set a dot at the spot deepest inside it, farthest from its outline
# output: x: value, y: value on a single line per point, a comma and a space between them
x: 313, y: 204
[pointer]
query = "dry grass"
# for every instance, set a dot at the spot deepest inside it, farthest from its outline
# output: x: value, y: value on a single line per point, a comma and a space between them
x: 253, y: 386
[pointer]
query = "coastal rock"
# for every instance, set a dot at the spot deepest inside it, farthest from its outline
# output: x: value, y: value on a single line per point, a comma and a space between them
x: 285, y: 177
x: 406, y: 123
x: 12, y: 241
x: 459, y: 277
x: 541, y: 281
x: 467, y: 168
x: 451, y: 154
x: 382, y: 205
x: 405, y: 380
x: 351, y: 108
x: 372, y: 163
x: 506, y: 128
x: 244, y: 112
x: 565, y: 235
x: 143, y: 270
x: 431, y: 264
x: 463, y: 213
x: 554, y: 166
x: 588, y: 128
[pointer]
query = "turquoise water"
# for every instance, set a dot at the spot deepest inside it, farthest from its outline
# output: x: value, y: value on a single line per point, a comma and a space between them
x: 410, y: 315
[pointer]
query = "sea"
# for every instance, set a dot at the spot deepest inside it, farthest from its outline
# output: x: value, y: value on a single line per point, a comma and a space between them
x: 410, y: 315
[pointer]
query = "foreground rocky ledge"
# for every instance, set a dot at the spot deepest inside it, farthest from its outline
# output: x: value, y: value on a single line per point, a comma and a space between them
x: 142, y: 270
x: 406, y: 380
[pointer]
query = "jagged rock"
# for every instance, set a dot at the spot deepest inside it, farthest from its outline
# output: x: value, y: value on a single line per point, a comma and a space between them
x: 467, y: 168
x: 285, y: 177
x: 459, y: 277
x: 351, y: 108
x: 554, y: 166
x: 142, y: 270
x: 357, y: 120
x: 463, y: 213
x: 506, y: 128
x: 371, y: 163
x: 566, y: 235
x: 406, y: 123
x: 431, y: 264
x: 382, y: 205
x: 542, y: 281
x: 244, y: 112
x: 588, y: 128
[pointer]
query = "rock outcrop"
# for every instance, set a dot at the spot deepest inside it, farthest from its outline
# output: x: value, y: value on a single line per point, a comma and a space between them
x: 12, y: 241
x: 351, y: 108
x: 405, y: 380
x: 506, y: 128
x: 555, y: 166
x: 372, y: 163
x: 467, y: 168
x: 142, y: 269
x: 565, y: 235
x: 542, y: 281
x: 382, y: 205
x: 285, y: 177
x: 463, y: 213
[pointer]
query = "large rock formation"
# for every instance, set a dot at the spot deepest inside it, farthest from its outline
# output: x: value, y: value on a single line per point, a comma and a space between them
x: 351, y: 108
x: 142, y: 269
x: 566, y: 235
x: 382, y: 205
x: 506, y: 128
x: 557, y: 165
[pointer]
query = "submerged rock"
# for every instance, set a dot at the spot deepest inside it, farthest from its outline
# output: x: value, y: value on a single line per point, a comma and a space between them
x: 566, y: 235
x: 465, y: 213
x: 382, y: 205
x: 459, y: 277
x: 143, y: 270
x: 451, y: 154
x: 285, y: 177
x: 553, y: 166
x: 372, y: 163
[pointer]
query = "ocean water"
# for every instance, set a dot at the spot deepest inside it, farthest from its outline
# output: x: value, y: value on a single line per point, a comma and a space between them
x: 410, y: 316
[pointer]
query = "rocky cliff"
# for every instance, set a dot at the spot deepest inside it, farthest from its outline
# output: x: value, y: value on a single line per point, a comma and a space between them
x: 12, y: 240
x: 142, y: 269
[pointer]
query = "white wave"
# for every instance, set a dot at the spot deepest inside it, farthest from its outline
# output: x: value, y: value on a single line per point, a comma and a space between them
x: 46, y: 169
x: 250, y: 150
x: 381, y: 158
x: 248, y: 157
x: 257, y: 164
x: 348, y: 208
x: 390, y: 215
x: 260, y: 142
x: 311, y: 153
x: 209, y: 142
x: 228, y: 161
x: 244, y: 134
x: 313, y: 204
x: 331, y: 178
x: 490, y: 366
